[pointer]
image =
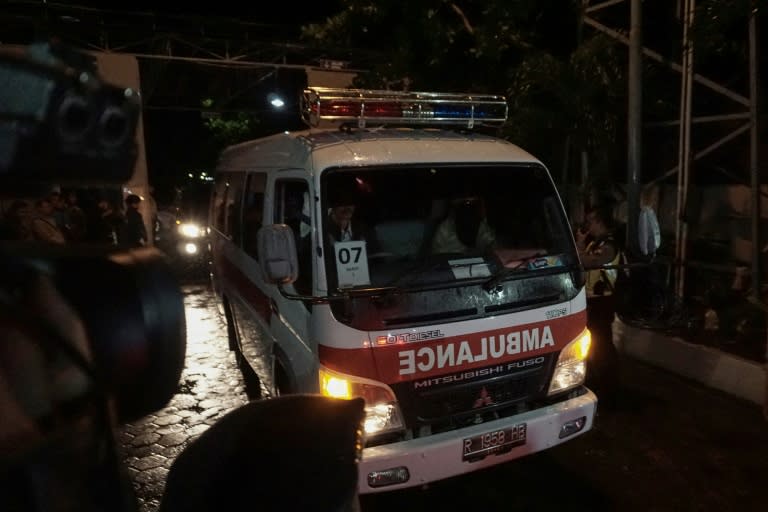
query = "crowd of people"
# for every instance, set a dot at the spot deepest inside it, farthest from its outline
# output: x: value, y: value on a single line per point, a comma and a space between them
x: 75, y: 217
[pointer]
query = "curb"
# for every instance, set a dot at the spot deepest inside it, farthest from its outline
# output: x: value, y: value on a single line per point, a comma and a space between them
x: 732, y: 374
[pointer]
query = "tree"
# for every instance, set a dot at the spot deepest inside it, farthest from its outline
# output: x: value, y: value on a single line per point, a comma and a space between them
x: 226, y: 129
x: 439, y: 43
x: 560, y: 92
x: 577, y: 101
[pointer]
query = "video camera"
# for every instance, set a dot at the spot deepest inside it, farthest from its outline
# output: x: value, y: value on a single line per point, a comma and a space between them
x: 61, y: 124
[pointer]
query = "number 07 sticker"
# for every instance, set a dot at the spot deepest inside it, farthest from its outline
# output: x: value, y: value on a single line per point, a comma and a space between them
x: 352, y: 263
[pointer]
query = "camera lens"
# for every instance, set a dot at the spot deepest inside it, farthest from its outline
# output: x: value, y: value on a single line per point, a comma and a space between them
x: 114, y: 126
x: 133, y: 311
x: 75, y: 118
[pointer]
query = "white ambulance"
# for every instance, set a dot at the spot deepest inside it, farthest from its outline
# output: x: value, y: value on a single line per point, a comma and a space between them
x: 393, y: 252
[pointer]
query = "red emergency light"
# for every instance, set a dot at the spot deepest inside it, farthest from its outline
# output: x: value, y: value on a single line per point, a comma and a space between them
x: 396, y: 107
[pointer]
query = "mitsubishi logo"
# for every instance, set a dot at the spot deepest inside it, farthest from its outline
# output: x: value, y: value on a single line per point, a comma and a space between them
x: 483, y: 400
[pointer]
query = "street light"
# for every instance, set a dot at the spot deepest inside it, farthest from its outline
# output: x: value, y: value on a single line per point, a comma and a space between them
x: 275, y: 100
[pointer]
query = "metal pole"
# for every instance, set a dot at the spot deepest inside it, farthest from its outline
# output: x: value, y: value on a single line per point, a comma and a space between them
x: 681, y: 233
x: 755, y: 178
x: 586, y: 191
x: 706, y: 82
x: 634, y: 126
x: 753, y: 157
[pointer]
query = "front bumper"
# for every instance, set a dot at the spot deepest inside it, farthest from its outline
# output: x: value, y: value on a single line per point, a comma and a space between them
x: 436, y: 457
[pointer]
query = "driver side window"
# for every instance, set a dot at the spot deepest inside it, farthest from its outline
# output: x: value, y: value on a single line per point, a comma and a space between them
x: 292, y: 207
x: 253, y: 211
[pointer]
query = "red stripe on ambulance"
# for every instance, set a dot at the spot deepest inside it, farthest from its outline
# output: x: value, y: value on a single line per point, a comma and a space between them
x: 248, y: 291
x: 416, y: 360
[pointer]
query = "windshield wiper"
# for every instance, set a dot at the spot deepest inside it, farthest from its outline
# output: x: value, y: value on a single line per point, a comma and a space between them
x: 505, y: 272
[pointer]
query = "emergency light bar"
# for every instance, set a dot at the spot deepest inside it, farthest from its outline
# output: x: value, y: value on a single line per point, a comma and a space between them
x: 397, y: 107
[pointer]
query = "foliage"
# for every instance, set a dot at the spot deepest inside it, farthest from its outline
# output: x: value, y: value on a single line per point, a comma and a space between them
x: 526, y: 49
x: 580, y: 99
x: 429, y: 41
x: 720, y: 28
x: 227, y: 129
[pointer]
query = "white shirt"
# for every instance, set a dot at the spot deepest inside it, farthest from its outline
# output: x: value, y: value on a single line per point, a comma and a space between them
x: 648, y: 231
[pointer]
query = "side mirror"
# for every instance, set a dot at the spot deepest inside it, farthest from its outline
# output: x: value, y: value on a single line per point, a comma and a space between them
x: 276, y: 245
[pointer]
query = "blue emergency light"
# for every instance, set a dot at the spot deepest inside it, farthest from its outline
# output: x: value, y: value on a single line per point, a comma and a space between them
x: 397, y: 107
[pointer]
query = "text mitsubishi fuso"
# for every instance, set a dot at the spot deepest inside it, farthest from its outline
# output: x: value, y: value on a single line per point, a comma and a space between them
x: 392, y: 252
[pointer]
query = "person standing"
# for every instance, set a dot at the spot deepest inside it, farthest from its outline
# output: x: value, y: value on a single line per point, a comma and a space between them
x: 152, y: 211
x: 75, y: 216
x: 106, y: 223
x: 59, y: 209
x: 43, y: 224
x: 15, y: 222
x: 597, y: 248
x: 133, y: 232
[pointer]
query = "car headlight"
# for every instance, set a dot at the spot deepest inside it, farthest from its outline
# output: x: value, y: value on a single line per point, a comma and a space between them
x: 382, y: 414
x: 190, y: 230
x: 571, y: 367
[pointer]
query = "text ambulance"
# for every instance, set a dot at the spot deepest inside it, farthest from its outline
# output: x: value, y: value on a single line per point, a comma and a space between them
x: 394, y: 253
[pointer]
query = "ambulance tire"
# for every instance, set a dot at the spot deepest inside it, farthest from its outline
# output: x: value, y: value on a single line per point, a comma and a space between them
x: 251, y: 381
x: 282, y: 382
x: 231, y: 331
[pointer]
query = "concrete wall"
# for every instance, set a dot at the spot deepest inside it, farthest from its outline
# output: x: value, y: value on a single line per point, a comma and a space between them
x: 731, y: 374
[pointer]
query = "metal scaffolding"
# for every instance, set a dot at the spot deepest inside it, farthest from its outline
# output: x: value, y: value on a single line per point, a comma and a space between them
x: 228, y: 57
x: 746, y: 110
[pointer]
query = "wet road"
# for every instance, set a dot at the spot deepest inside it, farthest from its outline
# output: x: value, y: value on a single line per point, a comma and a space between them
x: 668, y: 445
x: 210, y: 386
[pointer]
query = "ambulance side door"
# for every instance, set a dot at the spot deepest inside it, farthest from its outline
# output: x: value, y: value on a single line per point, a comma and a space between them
x: 295, y: 350
x: 250, y: 299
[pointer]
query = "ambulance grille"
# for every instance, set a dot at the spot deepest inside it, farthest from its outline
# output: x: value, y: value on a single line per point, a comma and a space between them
x: 443, y: 407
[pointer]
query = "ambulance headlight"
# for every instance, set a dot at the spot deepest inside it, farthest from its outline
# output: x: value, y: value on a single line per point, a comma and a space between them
x: 190, y: 230
x: 571, y: 367
x: 382, y: 414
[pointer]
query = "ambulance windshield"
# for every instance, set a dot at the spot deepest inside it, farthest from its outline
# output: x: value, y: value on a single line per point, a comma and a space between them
x: 415, y: 227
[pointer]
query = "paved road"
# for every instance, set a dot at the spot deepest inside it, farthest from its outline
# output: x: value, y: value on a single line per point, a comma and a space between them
x: 210, y: 386
x: 670, y: 445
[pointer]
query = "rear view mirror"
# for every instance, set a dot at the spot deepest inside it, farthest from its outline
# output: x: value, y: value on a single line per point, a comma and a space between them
x: 277, y: 254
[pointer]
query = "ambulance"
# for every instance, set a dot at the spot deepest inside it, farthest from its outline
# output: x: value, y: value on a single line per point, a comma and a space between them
x: 396, y: 250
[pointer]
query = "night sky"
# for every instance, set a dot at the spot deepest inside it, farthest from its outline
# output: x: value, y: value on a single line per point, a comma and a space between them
x: 176, y: 139
x: 260, y: 11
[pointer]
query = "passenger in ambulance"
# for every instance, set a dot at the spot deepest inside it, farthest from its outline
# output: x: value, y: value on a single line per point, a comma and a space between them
x: 465, y: 230
x: 342, y: 225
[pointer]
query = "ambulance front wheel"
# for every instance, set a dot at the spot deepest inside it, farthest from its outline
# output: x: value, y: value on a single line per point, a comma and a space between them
x: 282, y: 382
x: 231, y: 330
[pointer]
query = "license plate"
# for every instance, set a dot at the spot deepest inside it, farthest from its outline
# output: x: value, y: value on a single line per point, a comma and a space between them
x: 493, y: 443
